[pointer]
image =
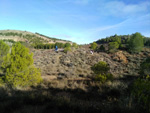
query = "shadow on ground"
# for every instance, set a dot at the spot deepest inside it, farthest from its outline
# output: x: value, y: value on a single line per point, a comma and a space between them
x: 55, y: 100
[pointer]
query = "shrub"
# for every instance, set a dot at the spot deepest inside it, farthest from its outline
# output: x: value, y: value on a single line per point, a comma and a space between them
x: 100, y: 68
x: 67, y: 45
x: 145, y: 67
x: 75, y: 45
x: 141, y: 93
x: 102, y: 48
x: 101, y: 78
x: 109, y: 76
x: 146, y: 42
x: 122, y: 46
x: 1, y: 81
x: 94, y: 46
x: 66, y: 49
x: 20, y: 70
x: 101, y: 71
x: 136, y: 43
x: 59, y: 45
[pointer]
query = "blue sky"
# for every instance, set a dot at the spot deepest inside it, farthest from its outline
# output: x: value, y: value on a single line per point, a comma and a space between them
x: 81, y: 21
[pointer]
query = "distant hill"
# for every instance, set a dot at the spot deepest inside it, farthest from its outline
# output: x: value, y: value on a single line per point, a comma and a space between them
x: 29, y: 37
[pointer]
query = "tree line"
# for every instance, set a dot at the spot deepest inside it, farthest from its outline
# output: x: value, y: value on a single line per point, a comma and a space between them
x: 53, y: 45
x: 132, y: 43
x: 52, y: 38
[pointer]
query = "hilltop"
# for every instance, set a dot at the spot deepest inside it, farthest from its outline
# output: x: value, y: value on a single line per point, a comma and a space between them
x: 28, y: 37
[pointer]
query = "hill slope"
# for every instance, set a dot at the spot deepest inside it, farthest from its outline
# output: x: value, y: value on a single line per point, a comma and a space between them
x: 78, y: 62
x: 28, y: 37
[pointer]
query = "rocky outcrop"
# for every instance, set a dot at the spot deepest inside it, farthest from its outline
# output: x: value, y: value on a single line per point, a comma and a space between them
x: 119, y: 56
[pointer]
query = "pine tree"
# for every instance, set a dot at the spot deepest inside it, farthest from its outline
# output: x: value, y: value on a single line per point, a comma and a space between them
x: 113, y: 46
x: 102, y: 48
x: 136, y: 43
x: 20, y: 70
x: 94, y: 46
x: 4, y: 49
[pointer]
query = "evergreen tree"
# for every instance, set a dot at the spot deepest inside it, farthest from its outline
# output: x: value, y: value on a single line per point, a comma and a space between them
x: 113, y: 46
x: 20, y: 70
x: 116, y: 39
x: 4, y: 49
x: 94, y: 46
x: 102, y: 48
x: 135, y: 43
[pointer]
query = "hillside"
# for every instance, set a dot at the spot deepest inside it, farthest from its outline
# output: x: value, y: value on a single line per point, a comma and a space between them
x: 28, y: 37
x: 78, y: 63
x: 69, y: 84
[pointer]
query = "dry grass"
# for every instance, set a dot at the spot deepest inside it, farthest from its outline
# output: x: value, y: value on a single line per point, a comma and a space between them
x: 65, y: 96
x: 66, y: 84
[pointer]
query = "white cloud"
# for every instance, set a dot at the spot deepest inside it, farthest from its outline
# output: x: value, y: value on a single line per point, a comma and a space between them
x: 121, y: 9
x: 103, y: 28
x: 128, y: 26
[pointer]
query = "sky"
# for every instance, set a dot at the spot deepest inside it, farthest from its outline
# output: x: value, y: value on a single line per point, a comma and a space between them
x: 80, y: 21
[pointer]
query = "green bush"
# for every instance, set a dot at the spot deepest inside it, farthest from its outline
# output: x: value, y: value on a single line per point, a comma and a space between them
x: 109, y: 76
x: 122, y: 46
x: 94, y: 46
x: 20, y: 70
x: 101, y: 71
x: 59, y: 45
x: 145, y: 67
x: 1, y: 81
x: 66, y: 49
x: 67, y: 45
x: 101, y: 78
x: 100, y: 68
x: 102, y: 48
x: 75, y: 45
x: 141, y: 94
x: 146, y: 42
